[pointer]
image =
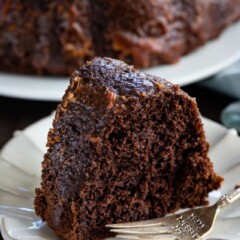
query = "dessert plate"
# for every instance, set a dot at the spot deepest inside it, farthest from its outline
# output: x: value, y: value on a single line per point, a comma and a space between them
x: 20, y: 170
x: 204, y: 62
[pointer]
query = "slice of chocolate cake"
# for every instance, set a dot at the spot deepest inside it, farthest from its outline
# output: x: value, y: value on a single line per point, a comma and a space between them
x: 124, y: 146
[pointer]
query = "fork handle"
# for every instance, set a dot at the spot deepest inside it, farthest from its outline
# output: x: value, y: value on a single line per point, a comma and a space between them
x: 228, y: 198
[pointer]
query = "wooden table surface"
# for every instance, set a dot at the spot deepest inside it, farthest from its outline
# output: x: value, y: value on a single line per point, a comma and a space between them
x: 17, y: 114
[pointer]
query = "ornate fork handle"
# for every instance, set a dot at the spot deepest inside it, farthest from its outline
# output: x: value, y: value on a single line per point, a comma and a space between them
x: 228, y: 198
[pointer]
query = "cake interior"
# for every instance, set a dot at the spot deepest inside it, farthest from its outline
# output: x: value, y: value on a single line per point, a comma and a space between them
x: 125, y: 146
x: 146, y: 161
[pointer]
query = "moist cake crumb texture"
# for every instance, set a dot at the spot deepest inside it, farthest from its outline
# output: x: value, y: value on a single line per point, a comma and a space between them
x: 124, y: 146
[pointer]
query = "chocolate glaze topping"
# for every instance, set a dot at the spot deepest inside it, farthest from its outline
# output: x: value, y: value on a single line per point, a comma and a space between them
x: 49, y: 37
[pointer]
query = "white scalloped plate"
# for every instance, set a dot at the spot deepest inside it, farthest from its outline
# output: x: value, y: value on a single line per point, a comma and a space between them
x: 20, y: 167
x: 204, y: 62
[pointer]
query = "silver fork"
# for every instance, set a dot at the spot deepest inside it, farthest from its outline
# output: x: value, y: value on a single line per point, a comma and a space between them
x: 192, y: 224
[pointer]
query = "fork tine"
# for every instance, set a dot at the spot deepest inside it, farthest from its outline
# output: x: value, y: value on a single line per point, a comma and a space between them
x: 147, y: 237
x: 146, y: 223
x: 132, y: 237
x: 142, y: 231
x: 192, y: 224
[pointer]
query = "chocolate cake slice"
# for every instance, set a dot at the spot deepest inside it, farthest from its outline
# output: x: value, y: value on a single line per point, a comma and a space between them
x: 124, y: 146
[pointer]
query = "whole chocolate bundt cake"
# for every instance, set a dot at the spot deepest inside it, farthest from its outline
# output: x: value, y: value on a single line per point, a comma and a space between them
x: 124, y: 146
x: 56, y: 37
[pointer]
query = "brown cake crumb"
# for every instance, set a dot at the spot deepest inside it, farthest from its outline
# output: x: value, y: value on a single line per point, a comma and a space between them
x: 118, y: 155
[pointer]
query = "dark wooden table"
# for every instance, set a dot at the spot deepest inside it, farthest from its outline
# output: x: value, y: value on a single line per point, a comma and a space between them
x: 18, y: 114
